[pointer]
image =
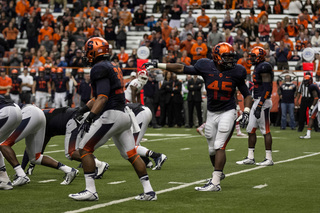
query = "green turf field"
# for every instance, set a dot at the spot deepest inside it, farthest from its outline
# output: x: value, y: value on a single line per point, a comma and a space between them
x: 291, y: 185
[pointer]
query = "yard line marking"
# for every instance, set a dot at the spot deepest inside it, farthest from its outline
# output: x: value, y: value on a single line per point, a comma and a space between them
x: 230, y: 150
x: 53, y: 145
x: 47, y: 181
x: 308, y: 152
x: 173, y: 135
x: 180, y: 183
x: 183, y: 149
x: 185, y: 185
x: 117, y: 182
x: 260, y: 186
x: 275, y: 150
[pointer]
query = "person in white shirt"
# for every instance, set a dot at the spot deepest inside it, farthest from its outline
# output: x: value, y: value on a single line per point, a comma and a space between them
x: 315, y: 40
x: 26, y: 86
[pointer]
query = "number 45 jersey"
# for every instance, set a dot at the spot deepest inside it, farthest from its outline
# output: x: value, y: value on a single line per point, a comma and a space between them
x: 220, y: 86
x: 107, y: 81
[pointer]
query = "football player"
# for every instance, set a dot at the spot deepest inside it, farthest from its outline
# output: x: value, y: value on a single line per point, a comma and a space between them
x: 41, y: 88
x: 32, y: 129
x: 132, y: 93
x: 107, y: 118
x: 33, y: 72
x: 79, y: 79
x: 314, y: 108
x: 260, y: 115
x: 16, y: 86
x: 221, y: 76
x: 61, y: 87
x: 10, y: 118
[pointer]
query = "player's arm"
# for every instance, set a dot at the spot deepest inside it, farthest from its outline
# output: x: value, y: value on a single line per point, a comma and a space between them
x: 34, y: 87
x: 134, y: 93
x: 267, y: 89
x: 315, y: 98
x: 49, y: 87
x: 175, y: 67
x: 244, y: 117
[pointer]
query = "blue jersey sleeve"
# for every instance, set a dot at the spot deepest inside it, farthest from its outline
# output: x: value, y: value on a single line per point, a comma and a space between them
x: 190, y: 70
x: 103, y: 87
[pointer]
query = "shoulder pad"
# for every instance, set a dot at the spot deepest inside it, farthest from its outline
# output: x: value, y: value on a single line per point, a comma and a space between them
x: 265, y: 67
x: 241, y: 70
x: 100, y: 70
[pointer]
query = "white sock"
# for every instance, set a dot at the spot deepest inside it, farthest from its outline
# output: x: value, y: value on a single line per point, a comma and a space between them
x: 142, y: 151
x: 146, y: 183
x: 19, y: 171
x: 238, y: 128
x: 2, y: 161
x: 269, y: 154
x: 65, y: 168
x: 251, y: 153
x: 216, y: 175
x: 98, y: 163
x: 90, y: 185
x: 308, y: 132
x: 4, y: 174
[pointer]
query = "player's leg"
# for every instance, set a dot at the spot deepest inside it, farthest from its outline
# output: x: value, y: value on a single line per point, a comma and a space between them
x: 264, y: 125
x: 284, y: 108
x: 313, y: 116
x: 5, y: 183
x: 63, y: 100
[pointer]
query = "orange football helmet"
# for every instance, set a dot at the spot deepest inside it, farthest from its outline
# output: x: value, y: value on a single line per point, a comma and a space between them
x: 59, y: 70
x: 224, y: 54
x: 33, y: 70
x: 80, y: 70
x: 96, y: 47
x: 53, y: 70
x: 47, y: 66
x: 257, y: 55
x: 41, y: 69
x: 14, y: 71
x: 307, y: 79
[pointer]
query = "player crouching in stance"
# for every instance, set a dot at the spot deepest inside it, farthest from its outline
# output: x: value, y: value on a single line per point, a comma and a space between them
x: 32, y: 128
x: 107, y: 119
x: 10, y: 118
x: 260, y: 115
x: 222, y: 76
x: 314, y: 108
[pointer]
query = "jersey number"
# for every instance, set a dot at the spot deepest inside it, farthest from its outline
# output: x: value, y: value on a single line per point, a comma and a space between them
x: 225, y: 86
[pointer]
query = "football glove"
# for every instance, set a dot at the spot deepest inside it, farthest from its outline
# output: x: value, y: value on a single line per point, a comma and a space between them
x: 257, y: 112
x: 78, y: 116
x: 85, y: 127
x: 150, y: 65
x: 48, y: 98
x: 310, y: 110
x: 244, y: 119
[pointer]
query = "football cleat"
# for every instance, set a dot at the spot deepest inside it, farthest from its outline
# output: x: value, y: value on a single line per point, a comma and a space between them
x: 70, y: 176
x: 200, y: 129
x: 30, y: 169
x: 305, y: 137
x: 240, y: 134
x: 19, y: 181
x: 5, y: 185
x: 85, y: 195
x: 149, y: 196
x: 246, y: 161
x: 208, y: 187
x: 223, y: 176
x: 159, y: 161
x: 101, y: 170
x: 149, y: 165
x: 266, y: 162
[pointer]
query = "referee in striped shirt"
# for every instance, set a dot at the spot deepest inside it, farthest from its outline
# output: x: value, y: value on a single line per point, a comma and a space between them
x: 306, y: 101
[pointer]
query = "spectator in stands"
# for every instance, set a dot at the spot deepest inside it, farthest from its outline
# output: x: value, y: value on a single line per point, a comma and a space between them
x: 121, y: 32
x: 315, y: 40
x: 158, y: 7
x: 62, y: 61
x: 204, y: 34
x: 237, y: 49
x: 187, y: 44
x: 264, y: 29
x: 245, y: 24
x: 288, y: 42
x: 198, y: 50
x: 88, y: 9
x: 253, y: 30
x: 4, y: 20
x: 172, y: 40
x: 139, y: 18
x: 246, y: 46
x: 126, y: 16
x: 302, y: 21
x: 228, y: 24
x: 239, y: 38
x: 190, y: 18
x: 5, y: 84
x: 301, y: 42
x: 157, y: 46
x: 292, y: 29
x: 248, y: 4
x: 214, y: 37
x: 228, y: 36
x: 175, y: 11
x: 22, y: 7
x: 185, y: 59
x: 257, y: 44
x: 15, y: 59
x: 85, y: 90
x: 282, y: 53
x: 55, y: 5
x: 151, y: 22
x: 295, y: 56
x: 109, y: 32
x: 316, y: 16
x: 194, y: 99
x: 308, y: 6
x: 76, y: 61
x: 213, y: 23
x: 313, y: 29
x: 277, y: 7
x: 203, y: 20
x: 10, y: 33
x: 183, y: 4
x: 47, y: 17
x: 123, y: 56
x: 238, y: 19
x: 166, y: 30
x: 47, y: 43
x: 11, y: 10
x: 26, y: 59
x: 195, y: 4
x: 285, y: 4
x: 114, y: 17
x: 188, y: 28
x: 23, y: 25
x: 45, y: 30
x: 218, y: 4
x: 294, y: 8
x: 244, y: 62
x: 278, y: 33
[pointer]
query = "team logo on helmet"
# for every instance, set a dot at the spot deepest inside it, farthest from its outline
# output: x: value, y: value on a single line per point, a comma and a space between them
x: 224, y: 55
x: 257, y: 55
x: 96, y: 47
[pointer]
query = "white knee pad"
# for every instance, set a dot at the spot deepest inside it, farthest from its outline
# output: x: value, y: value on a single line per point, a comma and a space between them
x: 142, y: 151
x: 224, y: 126
x: 37, y: 161
x: 212, y: 151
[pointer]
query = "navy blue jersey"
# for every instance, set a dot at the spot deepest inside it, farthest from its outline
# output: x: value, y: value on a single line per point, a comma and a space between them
x: 107, y: 80
x: 16, y: 86
x: 263, y: 67
x: 42, y: 83
x: 314, y: 87
x: 57, y: 120
x: 60, y: 84
x: 79, y: 81
x: 220, y: 86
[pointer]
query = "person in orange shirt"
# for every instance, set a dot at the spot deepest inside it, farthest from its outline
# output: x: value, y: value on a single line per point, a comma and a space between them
x: 95, y: 27
x: 203, y: 20
x: 257, y: 44
x: 71, y: 27
x: 10, y: 33
x: 123, y: 56
x: 35, y: 8
x: 81, y: 14
x: 243, y: 62
x: 22, y: 7
x: 172, y: 40
x: 185, y: 59
x: 166, y: 30
x: 187, y: 44
x: 103, y: 8
x: 45, y: 30
x: 5, y: 83
x: 47, y: 17
x: 292, y: 29
x: 303, y: 21
x: 306, y: 15
x: 198, y: 50
x: 247, y: 4
x: 56, y: 36
x: 285, y: 4
x: 126, y: 16
x: 195, y: 4
x: 288, y: 42
x: 88, y: 9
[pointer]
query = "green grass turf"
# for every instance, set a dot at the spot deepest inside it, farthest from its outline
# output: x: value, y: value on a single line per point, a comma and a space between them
x: 291, y: 186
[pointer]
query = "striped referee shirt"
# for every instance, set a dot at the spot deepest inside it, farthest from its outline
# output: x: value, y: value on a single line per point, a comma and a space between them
x: 303, y: 90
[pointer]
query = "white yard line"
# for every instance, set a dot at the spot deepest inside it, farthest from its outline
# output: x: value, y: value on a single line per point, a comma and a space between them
x: 47, y: 181
x: 98, y: 206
